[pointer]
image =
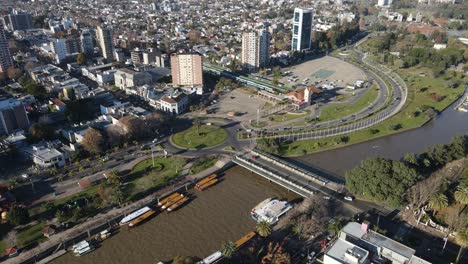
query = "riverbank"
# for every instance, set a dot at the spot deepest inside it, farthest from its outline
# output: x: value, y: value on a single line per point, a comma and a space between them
x: 107, y: 219
x: 404, y: 121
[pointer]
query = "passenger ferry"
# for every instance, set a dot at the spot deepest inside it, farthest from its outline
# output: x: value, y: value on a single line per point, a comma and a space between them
x: 270, y: 210
x: 244, y: 239
x: 134, y: 215
x: 207, y: 184
x: 173, y: 201
x: 167, y: 199
x: 213, y: 258
x: 205, y: 180
x: 141, y: 218
x: 177, y: 204
x: 84, y: 251
x: 82, y: 248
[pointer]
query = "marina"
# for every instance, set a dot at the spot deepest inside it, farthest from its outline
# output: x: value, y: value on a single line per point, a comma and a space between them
x: 197, y: 229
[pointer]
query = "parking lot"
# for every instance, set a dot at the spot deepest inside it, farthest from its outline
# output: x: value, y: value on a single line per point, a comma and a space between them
x: 325, y: 69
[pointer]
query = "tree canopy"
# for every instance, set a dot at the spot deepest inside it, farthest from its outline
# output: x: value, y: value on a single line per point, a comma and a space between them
x: 93, y: 141
x: 381, y: 180
x: 18, y: 216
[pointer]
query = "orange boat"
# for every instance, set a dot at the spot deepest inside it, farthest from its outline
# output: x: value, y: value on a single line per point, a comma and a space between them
x: 208, y: 184
x: 205, y: 180
x: 244, y: 239
x: 167, y: 199
x: 177, y: 204
x: 141, y: 218
x: 171, y: 202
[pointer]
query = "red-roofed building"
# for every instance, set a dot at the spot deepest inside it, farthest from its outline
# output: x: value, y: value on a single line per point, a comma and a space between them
x: 302, y: 97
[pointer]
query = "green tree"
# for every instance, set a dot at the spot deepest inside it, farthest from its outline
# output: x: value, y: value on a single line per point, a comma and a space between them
x: 61, y: 216
x: 228, y: 249
x: 40, y: 131
x: 461, y: 194
x: 53, y: 171
x: 36, y: 90
x: 335, y: 227
x: 18, y: 216
x: 263, y: 228
x: 81, y: 58
x: 118, y: 196
x: 113, y: 178
x: 381, y: 180
x: 197, y: 123
x: 438, y: 201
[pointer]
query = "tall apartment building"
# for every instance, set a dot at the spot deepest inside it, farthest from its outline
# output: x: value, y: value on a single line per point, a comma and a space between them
x: 6, y: 60
x: 302, y: 29
x: 264, y: 49
x: 106, y: 42
x: 19, y: 21
x: 13, y: 116
x: 86, y: 41
x: 250, y: 51
x: 187, y: 72
x: 255, y: 49
x: 59, y: 48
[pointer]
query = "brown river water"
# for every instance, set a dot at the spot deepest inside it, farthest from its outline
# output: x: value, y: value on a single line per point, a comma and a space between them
x: 216, y: 215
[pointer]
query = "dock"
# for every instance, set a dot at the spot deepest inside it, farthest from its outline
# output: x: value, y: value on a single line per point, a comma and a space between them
x: 52, y: 257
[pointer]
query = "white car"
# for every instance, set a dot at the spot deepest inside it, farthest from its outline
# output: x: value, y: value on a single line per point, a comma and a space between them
x: 349, y: 198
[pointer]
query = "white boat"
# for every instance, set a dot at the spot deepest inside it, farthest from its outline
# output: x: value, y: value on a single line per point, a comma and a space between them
x: 213, y: 258
x: 80, y: 245
x: 134, y: 215
x: 270, y: 210
x: 84, y: 251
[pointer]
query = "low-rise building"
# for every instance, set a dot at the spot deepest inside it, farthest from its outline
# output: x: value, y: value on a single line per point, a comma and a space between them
x: 126, y: 78
x: 174, y: 103
x: 48, y: 154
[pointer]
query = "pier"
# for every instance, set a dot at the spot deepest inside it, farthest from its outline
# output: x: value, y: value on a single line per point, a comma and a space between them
x: 287, y: 175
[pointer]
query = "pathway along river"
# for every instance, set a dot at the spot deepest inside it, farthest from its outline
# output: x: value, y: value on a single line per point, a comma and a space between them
x: 439, y: 131
x: 219, y: 214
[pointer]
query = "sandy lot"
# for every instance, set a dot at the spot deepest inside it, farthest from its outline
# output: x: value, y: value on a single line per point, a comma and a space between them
x: 241, y: 102
x: 344, y: 73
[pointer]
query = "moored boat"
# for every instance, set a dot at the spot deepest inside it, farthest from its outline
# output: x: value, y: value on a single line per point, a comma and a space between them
x: 270, y: 211
x: 244, y: 239
x: 205, y: 180
x: 83, y: 251
x: 77, y: 247
x: 141, y: 218
x: 134, y: 215
x: 177, y: 204
x: 171, y: 202
x: 207, y: 184
x: 167, y: 199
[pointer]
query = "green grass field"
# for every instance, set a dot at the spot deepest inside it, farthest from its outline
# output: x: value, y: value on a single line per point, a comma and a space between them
x: 30, y: 235
x: 288, y: 116
x: 339, y: 111
x: 207, y: 136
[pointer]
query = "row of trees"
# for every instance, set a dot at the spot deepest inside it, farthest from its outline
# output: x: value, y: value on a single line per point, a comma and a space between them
x: 335, y: 37
x: 387, y: 181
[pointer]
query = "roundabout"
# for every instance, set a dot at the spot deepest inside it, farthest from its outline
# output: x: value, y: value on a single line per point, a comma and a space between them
x: 199, y: 137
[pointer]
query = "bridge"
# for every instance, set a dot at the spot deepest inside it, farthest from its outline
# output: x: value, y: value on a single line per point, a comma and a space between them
x: 286, y: 174
x: 250, y: 81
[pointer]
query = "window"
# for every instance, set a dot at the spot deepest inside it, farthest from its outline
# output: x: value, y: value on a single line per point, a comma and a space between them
x: 296, y: 16
x: 296, y: 29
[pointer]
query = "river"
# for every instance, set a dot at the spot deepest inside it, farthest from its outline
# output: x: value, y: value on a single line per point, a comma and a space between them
x: 438, y: 131
x: 219, y: 214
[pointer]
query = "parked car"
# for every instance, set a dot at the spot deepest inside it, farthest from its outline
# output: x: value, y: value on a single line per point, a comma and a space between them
x: 349, y: 198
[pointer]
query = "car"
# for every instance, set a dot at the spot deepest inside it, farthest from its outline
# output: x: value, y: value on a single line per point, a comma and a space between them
x: 326, y: 197
x: 155, y: 140
x: 349, y: 198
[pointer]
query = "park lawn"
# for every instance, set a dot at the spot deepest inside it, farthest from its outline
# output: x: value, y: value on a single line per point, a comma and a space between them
x: 30, y: 235
x: 202, y: 164
x: 90, y: 191
x: 287, y: 116
x: 259, y: 124
x: 144, y: 177
x: 207, y: 136
x: 334, y: 112
x: 3, y: 246
x: 405, y: 117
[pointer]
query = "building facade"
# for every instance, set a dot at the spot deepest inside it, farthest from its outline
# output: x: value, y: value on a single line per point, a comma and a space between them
x: 6, y: 60
x: 59, y: 48
x: 187, y: 71
x: 264, y: 49
x: 302, y: 29
x: 250, y: 51
x: 125, y: 78
x: 106, y: 42
x: 20, y: 21
x: 13, y: 116
x: 86, y: 41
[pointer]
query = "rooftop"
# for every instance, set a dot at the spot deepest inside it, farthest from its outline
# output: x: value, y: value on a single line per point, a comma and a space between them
x: 346, y: 252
